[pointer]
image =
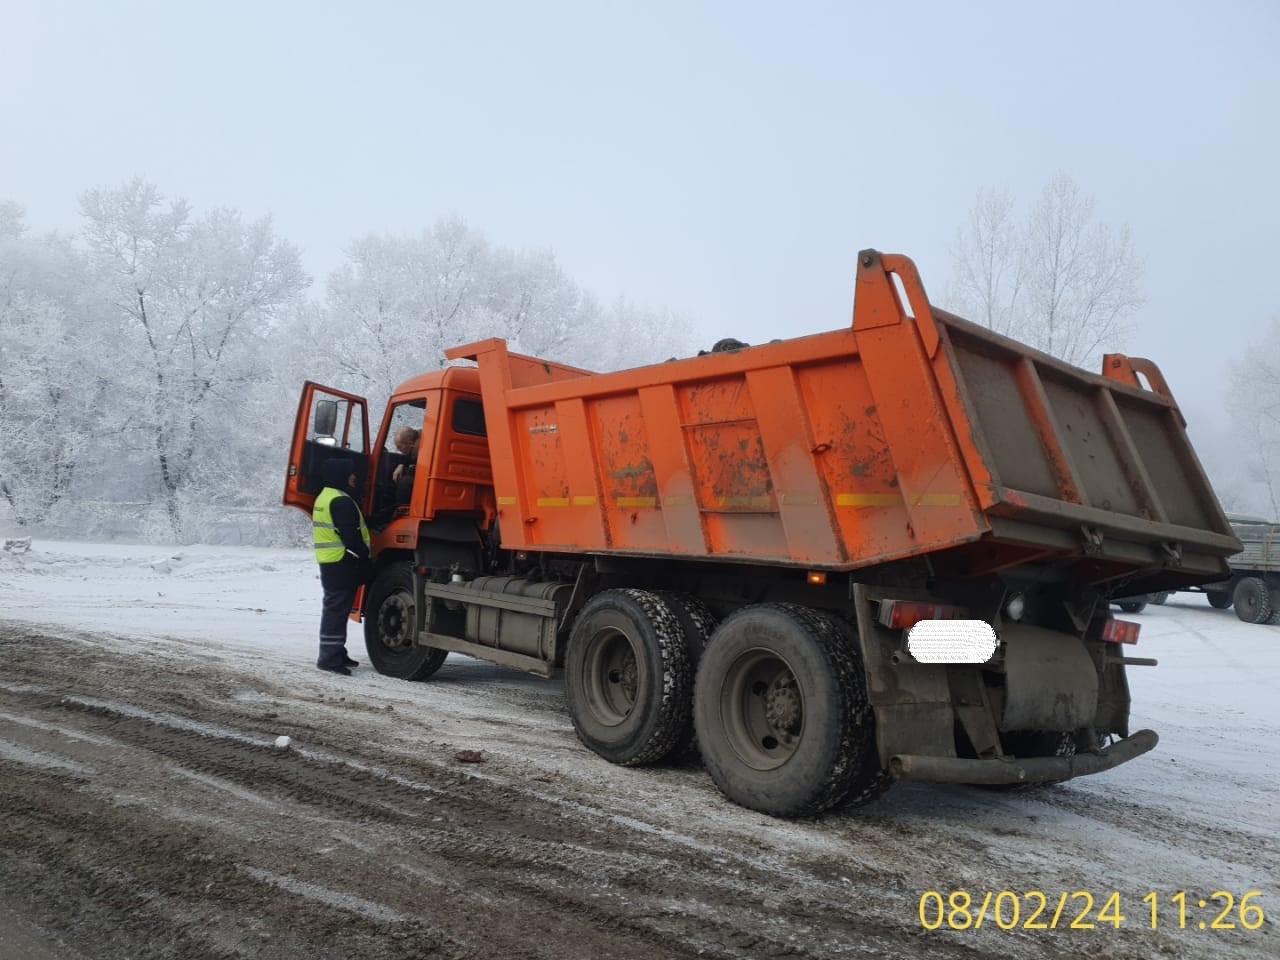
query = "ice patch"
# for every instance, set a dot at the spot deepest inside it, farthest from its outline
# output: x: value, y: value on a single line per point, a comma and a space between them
x: 343, y: 901
x: 20, y: 754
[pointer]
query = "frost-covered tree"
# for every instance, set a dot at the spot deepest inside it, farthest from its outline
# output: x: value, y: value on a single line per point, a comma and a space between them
x: 399, y: 302
x: 11, y: 220
x: 1058, y: 280
x: 629, y: 334
x: 194, y: 299
x: 988, y: 265
x: 1254, y: 403
x: 149, y: 367
x: 52, y: 369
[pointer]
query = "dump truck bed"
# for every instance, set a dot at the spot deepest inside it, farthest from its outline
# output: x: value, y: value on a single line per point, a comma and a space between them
x: 910, y: 432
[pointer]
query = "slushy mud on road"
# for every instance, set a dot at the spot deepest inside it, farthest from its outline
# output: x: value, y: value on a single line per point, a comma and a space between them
x: 149, y: 813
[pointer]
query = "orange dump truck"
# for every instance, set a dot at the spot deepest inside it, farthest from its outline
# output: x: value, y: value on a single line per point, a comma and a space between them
x: 732, y: 550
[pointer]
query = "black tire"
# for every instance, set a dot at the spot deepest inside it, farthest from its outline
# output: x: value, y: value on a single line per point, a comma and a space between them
x: 1132, y: 606
x: 872, y: 786
x: 782, y: 714
x: 697, y: 620
x: 390, y: 626
x: 1252, y: 600
x: 1161, y: 598
x: 698, y: 623
x: 628, y: 679
x: 1219, y: 599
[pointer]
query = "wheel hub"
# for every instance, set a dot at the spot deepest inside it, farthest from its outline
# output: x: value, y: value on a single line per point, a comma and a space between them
x: 782, y: 706
x: 611, y: 676
x: 395, y: 622
x: 762, y: 705
x: 626, y: 678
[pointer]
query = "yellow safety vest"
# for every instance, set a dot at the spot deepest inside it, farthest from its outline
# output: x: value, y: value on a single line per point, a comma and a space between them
x: 328, y: 544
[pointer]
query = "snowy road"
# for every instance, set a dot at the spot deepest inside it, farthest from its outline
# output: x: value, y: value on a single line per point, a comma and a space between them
x: 147, y: 814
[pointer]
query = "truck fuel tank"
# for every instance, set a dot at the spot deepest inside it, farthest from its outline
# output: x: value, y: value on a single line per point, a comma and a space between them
x: 513, y: 614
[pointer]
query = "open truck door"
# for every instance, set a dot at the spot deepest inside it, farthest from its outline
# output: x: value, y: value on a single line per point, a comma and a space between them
x: 330, y: 423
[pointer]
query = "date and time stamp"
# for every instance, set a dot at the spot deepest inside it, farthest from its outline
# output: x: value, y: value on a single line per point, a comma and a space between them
x: 1088, y: 910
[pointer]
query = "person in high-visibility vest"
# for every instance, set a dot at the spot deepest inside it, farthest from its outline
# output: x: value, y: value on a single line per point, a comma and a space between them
x: 342, y: 550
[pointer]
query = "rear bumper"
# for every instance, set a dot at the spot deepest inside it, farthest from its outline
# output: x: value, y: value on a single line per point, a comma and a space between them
x: 1028, y: 770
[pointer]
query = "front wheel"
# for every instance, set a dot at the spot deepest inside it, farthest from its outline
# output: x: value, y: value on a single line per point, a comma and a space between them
x: 391, y: 626
x: 782, y: 714
x: 1132, y: 606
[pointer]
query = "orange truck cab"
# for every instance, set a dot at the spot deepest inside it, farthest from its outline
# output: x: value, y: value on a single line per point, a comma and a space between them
x: 733, y: 550
x: 449, y: 478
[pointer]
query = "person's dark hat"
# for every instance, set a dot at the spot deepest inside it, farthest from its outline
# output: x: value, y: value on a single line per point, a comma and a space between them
x: 336, y: 471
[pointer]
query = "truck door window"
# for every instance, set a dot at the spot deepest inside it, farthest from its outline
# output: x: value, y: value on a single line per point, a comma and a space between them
x: 337, y: 423
x: 404, y: 415
x: 394, y: 488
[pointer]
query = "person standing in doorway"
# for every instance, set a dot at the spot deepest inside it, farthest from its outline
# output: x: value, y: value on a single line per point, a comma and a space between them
x: 342, y: 550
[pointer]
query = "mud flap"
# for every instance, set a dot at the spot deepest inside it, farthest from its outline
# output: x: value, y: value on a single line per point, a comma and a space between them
x: 1051, y: 681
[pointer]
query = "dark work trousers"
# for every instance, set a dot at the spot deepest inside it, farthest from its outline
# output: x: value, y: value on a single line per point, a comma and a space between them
x: 338, y: 602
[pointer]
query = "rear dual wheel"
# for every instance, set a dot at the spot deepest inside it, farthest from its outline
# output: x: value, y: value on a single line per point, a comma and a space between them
x: 629, y: 676
x: 698, y: 623
x: 782, y: 714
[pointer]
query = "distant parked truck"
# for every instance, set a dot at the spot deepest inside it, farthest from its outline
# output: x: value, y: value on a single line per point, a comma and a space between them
x: 1254, y: 584
x: 736, y: 546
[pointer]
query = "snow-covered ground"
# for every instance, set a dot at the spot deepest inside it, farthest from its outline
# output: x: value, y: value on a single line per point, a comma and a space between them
x: 1214, y: 698
x: 236, y: 597
x: 1198, y: 813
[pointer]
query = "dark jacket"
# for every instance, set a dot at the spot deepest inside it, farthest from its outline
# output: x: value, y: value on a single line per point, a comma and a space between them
x: 353, y: 569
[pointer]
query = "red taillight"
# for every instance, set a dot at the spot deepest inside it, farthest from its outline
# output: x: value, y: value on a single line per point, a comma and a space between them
x: 1121, y: 631
x: 905, y: 614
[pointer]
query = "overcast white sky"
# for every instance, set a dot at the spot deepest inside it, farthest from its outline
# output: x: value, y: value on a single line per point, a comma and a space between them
x: 724, y: 159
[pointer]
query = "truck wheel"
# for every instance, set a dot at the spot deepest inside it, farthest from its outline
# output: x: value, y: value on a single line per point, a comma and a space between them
x: 1132, y: 606
x: 390, y: 626
x: 782, y: 714
x: 1162, y: 597
x: 628, y: 677
x: 1252, y: 600
x: 697, y: 620
x: 1218, y: 599
x: 698, y: 623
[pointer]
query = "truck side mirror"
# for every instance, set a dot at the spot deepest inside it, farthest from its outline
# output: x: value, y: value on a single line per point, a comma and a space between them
x: 326, y: 420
